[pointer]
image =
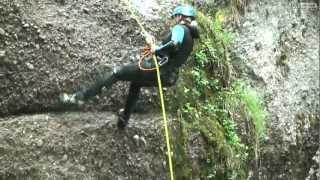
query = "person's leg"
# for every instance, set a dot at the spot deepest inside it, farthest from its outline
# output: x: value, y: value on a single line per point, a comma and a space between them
x: 132, y: 73
x: 132, y: 98
x: 129, y: 72
x: 104, y: 79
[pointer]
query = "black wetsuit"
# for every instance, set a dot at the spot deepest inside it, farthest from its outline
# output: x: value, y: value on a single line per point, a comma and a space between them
x: 177, y: 55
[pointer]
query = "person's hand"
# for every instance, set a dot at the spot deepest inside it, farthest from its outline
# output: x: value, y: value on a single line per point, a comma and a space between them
x: 151, y: 41
x: 153, y: 48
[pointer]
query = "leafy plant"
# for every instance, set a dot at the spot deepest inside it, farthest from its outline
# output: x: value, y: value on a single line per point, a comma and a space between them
x: 208, y: 103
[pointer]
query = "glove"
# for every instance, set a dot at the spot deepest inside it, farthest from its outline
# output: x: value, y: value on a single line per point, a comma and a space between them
x: 151, y: 41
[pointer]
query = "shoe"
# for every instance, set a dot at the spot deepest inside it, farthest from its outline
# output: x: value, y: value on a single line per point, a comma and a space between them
x: 122, y: 120
x: 72, y: 99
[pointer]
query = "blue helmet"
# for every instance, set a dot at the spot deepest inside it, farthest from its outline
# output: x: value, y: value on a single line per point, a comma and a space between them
x: 185, y: 11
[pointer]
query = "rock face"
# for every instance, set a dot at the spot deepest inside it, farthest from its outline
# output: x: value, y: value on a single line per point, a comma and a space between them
x: 277, y: 46
x: 49, y: 47
x: 80, y: 146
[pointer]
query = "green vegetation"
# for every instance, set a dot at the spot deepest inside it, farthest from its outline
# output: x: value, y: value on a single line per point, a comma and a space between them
x: 211, y: 107
x: 253, y: 107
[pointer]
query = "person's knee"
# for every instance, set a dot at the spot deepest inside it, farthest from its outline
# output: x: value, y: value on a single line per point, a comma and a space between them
x: 126, y: 73
x: 117, y: 71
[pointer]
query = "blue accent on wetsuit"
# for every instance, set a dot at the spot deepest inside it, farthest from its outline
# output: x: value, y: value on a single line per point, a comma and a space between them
x: 177, y: 34
x: 176, y: 38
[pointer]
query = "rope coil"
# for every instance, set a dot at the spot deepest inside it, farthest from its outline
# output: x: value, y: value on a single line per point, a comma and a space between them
x: 146, y: 54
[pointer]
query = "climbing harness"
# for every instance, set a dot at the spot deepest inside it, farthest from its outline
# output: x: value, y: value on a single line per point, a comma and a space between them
x: 148, y: 53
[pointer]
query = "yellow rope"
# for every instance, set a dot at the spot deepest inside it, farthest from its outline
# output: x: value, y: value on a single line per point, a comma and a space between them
x: 160, y: 91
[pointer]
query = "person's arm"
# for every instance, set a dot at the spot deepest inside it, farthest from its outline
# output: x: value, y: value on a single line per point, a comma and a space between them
x: 175, y: 42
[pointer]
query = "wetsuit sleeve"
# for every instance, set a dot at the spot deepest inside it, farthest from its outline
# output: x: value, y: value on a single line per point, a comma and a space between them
x: 177, y: 35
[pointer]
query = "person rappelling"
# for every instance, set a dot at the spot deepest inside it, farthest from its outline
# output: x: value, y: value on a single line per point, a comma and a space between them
x: 171, y: 55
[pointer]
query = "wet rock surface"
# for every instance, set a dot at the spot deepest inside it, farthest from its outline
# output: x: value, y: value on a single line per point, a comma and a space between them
x: 81, y: 146
x: 277, y: 49
x: 48, y: 47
